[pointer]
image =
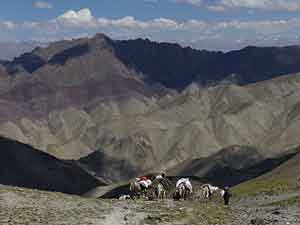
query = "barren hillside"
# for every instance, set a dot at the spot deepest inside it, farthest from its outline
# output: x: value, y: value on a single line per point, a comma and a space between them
x: 77, y: 97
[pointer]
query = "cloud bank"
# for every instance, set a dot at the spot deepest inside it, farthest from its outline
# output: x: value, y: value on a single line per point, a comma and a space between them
x: 193, y: 32
x: 269, y: 5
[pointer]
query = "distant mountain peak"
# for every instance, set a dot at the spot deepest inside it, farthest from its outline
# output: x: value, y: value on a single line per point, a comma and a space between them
x: 100, y: 36
x: 100, y: 41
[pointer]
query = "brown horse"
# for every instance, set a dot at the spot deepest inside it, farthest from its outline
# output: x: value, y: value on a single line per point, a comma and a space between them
x: 136, y: 189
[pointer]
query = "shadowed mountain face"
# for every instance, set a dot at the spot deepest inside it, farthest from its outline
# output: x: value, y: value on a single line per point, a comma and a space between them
x: 233, y: 165
x: 78, y: 96
x: 28, y: 62
x: 168, y: 64
x: 21, y: 165
x: 177, y: 67
x: 107, y: 168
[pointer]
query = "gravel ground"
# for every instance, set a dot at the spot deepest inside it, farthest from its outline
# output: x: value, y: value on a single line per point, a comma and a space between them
x: 266, y: 209
x: 32, y: 207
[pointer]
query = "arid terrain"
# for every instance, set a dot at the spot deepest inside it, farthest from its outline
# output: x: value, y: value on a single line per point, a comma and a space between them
x: 24, y: 206
x: 81, y: 118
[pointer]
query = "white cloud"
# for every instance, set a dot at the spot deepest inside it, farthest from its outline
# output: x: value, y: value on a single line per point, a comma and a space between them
x: 195, y: 25
x: 271, y: 5
x: 82, y: 18
x: 8, y: 25
x: 190, y: 2
x: 216, y: 8
x: 223, y: 5
x: 85, y: 20
x: 128, y: 22
x: 164, y: 23
x: 42, y: 5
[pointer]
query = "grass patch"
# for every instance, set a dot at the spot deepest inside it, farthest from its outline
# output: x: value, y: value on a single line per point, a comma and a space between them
x: 257, y: 187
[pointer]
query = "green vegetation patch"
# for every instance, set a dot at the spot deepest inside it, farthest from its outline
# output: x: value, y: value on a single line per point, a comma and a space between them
x: 256, y: 187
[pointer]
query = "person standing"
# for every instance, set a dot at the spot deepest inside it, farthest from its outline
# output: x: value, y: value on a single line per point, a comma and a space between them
x: 226, y: 195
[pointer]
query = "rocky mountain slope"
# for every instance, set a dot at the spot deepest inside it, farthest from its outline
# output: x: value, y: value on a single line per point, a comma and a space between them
x: 21, y: 165
x: 163, y: 132
x: 76, y: 97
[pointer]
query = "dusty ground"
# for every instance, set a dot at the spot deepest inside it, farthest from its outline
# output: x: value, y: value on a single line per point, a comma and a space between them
x: 280, y: 209
x: 23, y: 206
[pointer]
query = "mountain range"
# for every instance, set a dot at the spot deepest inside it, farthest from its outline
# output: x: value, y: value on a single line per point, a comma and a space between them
x: 169, y: 64
x: 117, y: 109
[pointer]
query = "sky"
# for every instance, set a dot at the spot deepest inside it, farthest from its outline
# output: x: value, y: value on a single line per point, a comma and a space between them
x: 203, y: 24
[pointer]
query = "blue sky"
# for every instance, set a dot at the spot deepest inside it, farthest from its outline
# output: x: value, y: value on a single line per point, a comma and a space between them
x: 208, y: 24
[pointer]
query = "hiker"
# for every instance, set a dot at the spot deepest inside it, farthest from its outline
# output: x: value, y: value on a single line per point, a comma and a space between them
x: 226, y: 195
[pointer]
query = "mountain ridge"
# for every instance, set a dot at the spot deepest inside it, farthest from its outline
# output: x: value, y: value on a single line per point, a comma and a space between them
x: 169, y: 64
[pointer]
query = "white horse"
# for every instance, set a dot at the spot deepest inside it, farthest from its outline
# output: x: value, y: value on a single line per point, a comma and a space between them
x: 207, y: 190
x: 161, y: 191
x: 183, y: 189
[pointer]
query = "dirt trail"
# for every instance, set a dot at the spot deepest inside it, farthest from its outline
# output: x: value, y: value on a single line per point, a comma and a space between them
x: 123, y: 213
x: 265, y: 210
